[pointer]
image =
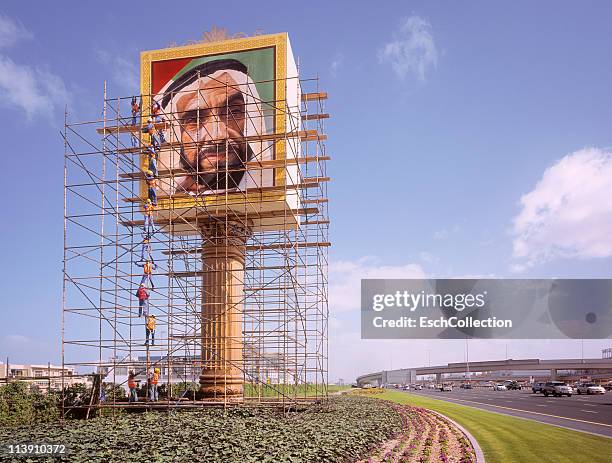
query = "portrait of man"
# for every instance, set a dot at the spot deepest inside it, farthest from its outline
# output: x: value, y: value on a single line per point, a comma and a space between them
x: 215, y: 115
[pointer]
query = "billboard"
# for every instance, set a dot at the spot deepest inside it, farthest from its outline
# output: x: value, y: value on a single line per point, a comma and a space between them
x: 220, y: 113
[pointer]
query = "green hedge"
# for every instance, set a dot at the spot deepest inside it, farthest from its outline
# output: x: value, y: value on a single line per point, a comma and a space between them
x: 21, y: 406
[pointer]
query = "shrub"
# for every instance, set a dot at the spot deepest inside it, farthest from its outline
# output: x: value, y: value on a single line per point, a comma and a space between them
x: 20, y: 405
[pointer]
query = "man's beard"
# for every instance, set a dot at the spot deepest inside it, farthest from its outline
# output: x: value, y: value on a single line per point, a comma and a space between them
x: 220, y: 179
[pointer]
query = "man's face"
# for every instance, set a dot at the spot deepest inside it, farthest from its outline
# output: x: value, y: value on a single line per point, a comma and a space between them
x: 211, y: 118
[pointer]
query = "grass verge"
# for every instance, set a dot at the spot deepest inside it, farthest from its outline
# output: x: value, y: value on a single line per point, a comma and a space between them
x: 508, y: 439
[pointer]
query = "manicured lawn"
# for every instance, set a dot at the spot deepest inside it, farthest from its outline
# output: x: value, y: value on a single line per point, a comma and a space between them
x: 508, y: 439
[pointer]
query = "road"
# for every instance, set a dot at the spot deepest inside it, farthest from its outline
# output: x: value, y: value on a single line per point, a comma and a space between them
x: 591, y: 413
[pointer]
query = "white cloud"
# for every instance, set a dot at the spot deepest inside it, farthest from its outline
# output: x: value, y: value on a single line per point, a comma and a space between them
x: 336, y: 64
x: 345, y: 280
x: 569, y: 213
x: 123, y: 71
x: 16, y: 340
x: 412, y: 49
x: 445, y: 232
x: 34, y: 90
x: 12, y: 32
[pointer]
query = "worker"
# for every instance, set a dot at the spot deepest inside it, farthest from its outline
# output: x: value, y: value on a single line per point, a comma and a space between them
x: 149, y: 127
x: 156, y: 137
x: 153, y: 380
x: 147, y: 267
x: 146, y: 249
x: 135, y: 110
x: 152, y: 184
x: 162, y: 138
x: 149, y: 224
x: 134, y: 140
x: 132, y: 385
x: 143, y: 301
x: 153, y: 132
x: 156, y: 111
x: 152, y: 155
x: 150, y: 329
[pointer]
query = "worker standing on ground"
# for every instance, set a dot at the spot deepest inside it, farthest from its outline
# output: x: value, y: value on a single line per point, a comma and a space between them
x: 153, y: 380
x: 150, y: 324
x: 132, y: 384
x: 143, y: 301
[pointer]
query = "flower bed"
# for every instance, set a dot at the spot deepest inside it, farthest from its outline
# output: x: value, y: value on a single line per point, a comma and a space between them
x: 344, y: 431
x: 424, y: 437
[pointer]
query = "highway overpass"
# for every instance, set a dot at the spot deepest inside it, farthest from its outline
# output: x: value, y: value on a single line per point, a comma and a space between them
x: 408, y: 375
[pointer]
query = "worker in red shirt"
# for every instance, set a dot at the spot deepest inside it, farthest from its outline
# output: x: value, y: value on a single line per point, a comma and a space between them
x: 132, y: 385
x: 135, y: 110
x: 143, y: 301
x: 156, y: 111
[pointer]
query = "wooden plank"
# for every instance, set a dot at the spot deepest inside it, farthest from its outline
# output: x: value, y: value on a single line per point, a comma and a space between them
x: 251, y: 165
x: 254, y: 247
x: 314, y: 117
x: 314, y: 96
x: 303, y: 135
x: 204, y: 217
x: 308, y: 182
x: 315, y: 201
x: 315, y: 222
x: 130, y: 128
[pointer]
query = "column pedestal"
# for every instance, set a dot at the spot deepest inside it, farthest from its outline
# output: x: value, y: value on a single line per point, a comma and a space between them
x: 223, y: 250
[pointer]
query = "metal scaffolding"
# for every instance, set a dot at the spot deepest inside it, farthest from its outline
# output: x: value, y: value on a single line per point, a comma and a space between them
x: 238, y: 278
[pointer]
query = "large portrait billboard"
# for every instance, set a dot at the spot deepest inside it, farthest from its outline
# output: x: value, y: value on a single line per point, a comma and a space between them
x: 221, y: 110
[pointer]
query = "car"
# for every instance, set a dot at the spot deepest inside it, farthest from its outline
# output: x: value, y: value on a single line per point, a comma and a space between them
x: 466, y: 386
x: 607, y: 386
x: 537, y: 387
x: 557, y: 389
x: 446, y: 387
x: 513, y: 386
x: 500, y: 387
x: 418, y: 387
x: 590, y: 388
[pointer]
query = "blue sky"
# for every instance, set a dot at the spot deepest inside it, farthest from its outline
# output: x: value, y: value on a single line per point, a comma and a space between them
x: 445, y: 115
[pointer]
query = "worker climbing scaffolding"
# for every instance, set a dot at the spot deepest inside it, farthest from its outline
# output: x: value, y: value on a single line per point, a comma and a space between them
x: 156, y: 135
x: 143, y: 301
x: 149, y: 224
x: 156, y: 111
x: 152, y: 186
x: 146, y: 260
x: 152, y: 157
x: 135, y: 110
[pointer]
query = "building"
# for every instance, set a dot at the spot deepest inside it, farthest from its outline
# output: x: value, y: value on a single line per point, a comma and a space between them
x: 606, y: 353
x: 41, y: 377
